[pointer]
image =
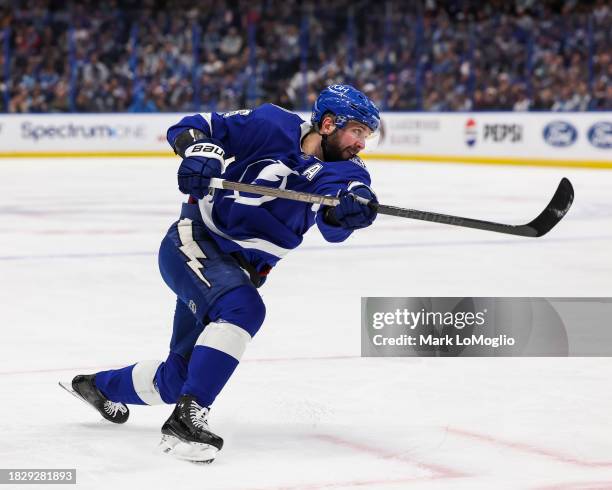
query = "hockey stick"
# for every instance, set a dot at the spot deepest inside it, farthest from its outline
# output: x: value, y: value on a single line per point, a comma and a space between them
x: 542, y: 224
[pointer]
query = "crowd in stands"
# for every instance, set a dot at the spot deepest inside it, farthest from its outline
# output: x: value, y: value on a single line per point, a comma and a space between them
x: 181, y: 56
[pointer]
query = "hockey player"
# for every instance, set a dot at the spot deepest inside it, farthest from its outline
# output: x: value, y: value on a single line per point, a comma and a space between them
x: 220, y: 236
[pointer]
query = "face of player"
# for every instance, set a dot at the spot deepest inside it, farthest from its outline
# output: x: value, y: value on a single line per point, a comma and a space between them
x: 348, y: 141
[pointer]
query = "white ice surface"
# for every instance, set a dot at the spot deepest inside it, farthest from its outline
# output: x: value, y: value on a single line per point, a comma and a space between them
x: 80, y: 292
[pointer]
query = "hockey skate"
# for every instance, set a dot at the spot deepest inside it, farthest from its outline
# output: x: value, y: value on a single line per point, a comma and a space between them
x: 186, y: 434
x: 84, y: 389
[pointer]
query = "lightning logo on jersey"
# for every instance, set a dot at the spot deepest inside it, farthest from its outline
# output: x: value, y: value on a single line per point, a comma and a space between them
x: 275, y: 171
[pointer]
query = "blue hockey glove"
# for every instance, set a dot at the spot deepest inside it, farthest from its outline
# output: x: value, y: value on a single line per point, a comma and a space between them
x: 351, y: 214
x: 203, y: 161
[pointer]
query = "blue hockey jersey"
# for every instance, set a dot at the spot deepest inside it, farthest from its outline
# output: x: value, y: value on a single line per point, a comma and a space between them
x: 263, y: 146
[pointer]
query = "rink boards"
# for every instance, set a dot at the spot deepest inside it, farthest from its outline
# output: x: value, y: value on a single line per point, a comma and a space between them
x: 542, y: 138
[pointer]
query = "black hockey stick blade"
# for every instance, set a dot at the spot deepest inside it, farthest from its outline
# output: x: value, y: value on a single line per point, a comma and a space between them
x: 553, y: 213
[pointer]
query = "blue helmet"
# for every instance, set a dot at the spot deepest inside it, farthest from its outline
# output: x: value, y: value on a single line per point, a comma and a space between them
x: 347, y: 104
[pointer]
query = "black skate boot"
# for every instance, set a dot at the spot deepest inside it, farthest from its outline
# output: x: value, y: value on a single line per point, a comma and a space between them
x: 83, y: 388
x: 186, y: 434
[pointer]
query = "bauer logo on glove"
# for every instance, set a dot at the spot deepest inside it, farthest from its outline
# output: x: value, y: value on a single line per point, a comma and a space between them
x: 207, y: 150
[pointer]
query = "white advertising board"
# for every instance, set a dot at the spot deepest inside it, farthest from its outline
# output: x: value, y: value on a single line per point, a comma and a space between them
x: 496, y: 137
x: 83, y: 134
x: 500, y: 136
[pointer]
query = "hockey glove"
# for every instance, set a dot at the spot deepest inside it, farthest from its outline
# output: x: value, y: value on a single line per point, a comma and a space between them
x: 203, y: 161
x: 351, y: 214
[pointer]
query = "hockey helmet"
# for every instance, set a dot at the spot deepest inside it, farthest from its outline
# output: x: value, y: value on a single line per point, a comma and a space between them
x: 346, y: 103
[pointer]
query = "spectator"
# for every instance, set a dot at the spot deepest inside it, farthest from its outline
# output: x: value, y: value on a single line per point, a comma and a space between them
x: 522, y: 101
x: 438, y: 55
x: 231, y: 44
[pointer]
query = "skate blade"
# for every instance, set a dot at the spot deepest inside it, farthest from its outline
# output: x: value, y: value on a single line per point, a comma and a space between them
x: 67, y: 385
x: 187, y: 451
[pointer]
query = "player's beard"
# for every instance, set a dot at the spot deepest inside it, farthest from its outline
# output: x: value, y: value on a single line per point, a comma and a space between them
x: 333, y: 152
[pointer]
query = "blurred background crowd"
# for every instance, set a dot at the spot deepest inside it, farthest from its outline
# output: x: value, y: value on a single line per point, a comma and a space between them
x: 176, y: 55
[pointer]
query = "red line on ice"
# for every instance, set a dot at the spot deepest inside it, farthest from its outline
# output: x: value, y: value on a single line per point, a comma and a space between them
x: 438, y: 471
x: 529, y: 449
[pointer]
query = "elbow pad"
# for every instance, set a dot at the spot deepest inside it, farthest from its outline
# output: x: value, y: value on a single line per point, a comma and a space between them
x: 186, y: 139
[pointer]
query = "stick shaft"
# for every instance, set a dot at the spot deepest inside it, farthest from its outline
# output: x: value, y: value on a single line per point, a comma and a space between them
x: 552, y: 214
x: 274, y: 192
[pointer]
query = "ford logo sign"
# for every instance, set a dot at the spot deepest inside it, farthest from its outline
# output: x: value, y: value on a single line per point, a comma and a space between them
x: 600, y: 134
x: 560, y: 133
